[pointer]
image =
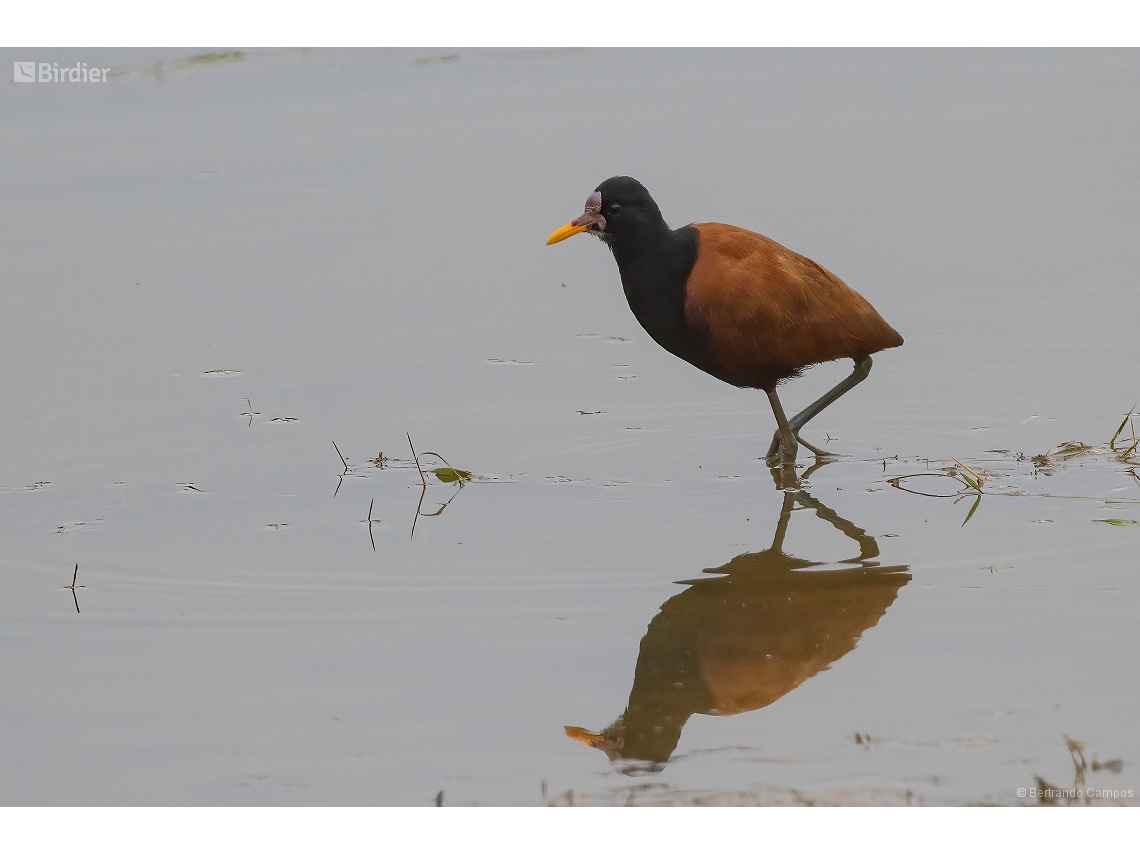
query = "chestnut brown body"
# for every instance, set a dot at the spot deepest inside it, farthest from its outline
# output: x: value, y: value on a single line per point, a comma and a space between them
x: 763, y: 312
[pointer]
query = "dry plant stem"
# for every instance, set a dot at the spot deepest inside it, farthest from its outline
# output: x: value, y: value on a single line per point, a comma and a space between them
x: 416, y: 458
x: 73, y: 586
x: 977, y: 478
x: 423, y: 481
x: 1119, y: 430
x: 419, y: 504
x: 341, y: 456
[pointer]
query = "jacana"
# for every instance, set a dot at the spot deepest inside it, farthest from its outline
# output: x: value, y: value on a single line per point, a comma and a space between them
x: 735, y: 304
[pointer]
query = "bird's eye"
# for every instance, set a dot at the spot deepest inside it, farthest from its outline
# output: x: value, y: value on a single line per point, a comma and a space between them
x: 615, y: 209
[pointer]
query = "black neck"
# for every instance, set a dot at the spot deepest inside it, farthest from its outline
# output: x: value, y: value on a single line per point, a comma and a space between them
x: 654, y: 262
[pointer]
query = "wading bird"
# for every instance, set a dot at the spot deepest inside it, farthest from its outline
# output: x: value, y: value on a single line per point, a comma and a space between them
x: 734, y: 303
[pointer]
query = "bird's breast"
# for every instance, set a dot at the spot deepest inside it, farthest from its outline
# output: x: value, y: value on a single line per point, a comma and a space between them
x: 653, y: 279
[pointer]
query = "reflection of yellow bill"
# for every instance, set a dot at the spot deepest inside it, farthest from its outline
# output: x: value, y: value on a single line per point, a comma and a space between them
x: 586, y: 737
x: 568, y: 230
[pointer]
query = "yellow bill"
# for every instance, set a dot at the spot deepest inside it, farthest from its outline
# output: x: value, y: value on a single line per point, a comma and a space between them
x: 568, y: 230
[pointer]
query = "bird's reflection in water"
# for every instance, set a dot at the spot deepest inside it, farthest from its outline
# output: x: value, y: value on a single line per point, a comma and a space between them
x: 762, y: 625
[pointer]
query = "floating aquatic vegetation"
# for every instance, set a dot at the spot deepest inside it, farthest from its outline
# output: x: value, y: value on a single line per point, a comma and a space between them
x: 447, y: 474
x: 160, y: 69
x: 216, y: 58
x: 962, y: 480
x: 450, y: 476
x: 1126, y: 451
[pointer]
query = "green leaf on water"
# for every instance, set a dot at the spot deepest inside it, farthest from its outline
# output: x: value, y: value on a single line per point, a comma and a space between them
x: 1119, y: 522
x: 449, y: 476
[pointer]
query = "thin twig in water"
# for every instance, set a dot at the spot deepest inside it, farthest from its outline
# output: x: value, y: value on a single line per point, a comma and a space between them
x: 340, y: 479
x: 341, y: 456
x: 73, y: 586
x: 416, y: 458
x: 416, y: 518
x: 249, y: 412
x: 370, y: 521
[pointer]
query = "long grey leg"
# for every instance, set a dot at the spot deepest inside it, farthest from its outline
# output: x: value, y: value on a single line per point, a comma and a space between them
x: 862, y: 369
x: 785, y: 442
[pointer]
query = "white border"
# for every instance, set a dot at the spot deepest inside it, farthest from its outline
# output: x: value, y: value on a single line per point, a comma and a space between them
x: 602, y: 23
x: 551, y: 831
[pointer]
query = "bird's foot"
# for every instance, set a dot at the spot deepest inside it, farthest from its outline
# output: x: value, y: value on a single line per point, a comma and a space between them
x: 818, y: 452
x: 774, y: 449
x: 784, y: 476
x: 781, y: 454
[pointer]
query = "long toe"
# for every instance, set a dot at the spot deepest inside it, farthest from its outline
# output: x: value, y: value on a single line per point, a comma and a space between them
x: 818, y: 452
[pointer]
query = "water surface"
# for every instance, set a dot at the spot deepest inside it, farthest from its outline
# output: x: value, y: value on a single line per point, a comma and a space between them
x: 214, y: 269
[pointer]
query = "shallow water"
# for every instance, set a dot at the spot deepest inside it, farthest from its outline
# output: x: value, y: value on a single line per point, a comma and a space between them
x: 212, y: 271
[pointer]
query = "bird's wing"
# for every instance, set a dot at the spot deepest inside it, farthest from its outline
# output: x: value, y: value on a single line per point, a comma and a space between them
x: 762, y: 307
